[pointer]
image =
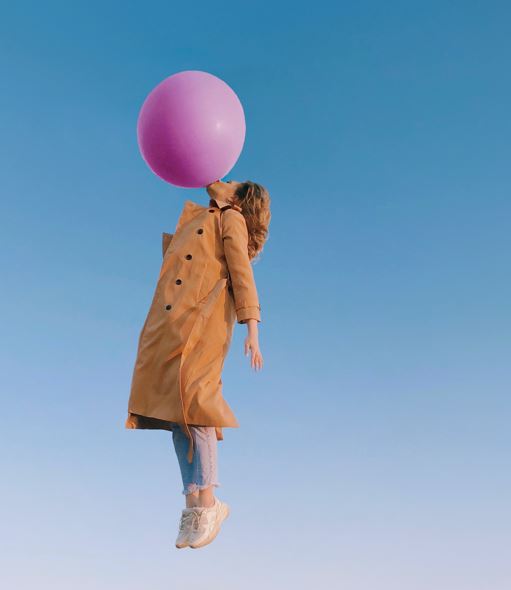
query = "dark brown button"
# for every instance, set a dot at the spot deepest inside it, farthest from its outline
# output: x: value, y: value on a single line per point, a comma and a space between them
x: 200, y: 230
x: 188, y: 257
x: 178, y: 282
x: 168, y: 306
x: 211, y: 210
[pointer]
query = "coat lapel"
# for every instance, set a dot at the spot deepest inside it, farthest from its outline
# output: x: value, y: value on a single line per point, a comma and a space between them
x: 190, y: 210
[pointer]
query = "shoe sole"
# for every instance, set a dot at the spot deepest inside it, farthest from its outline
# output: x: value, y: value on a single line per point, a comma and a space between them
x: 224, y: 513
x: 182, y: 545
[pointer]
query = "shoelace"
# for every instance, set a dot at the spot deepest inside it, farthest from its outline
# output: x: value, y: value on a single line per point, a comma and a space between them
x: 197, y: 515
x: 185, y: 519
x: 194, y: 518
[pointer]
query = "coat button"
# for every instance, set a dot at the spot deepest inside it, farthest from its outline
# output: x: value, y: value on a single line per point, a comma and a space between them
x: 200, y: 230
x: 168, y: 306
x: 178, y: 282
x: 188, y: 257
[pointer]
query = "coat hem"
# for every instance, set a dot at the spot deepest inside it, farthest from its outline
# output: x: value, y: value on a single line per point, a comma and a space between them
x: 141, y: 422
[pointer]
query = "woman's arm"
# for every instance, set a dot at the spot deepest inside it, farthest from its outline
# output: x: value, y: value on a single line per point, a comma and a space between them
x: 248, y: 309
x: 235, y: 237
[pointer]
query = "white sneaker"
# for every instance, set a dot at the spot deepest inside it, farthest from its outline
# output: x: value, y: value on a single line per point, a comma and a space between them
x: 187, y: 517
x: 206, y: 523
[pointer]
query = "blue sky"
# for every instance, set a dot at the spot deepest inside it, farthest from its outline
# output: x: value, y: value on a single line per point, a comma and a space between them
x: 374, y: 446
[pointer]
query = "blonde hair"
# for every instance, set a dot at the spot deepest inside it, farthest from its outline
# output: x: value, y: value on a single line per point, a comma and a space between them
x: 254, y: 201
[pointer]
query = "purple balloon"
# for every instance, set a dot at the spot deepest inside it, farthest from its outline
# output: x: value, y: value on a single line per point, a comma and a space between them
x: 191, y: 129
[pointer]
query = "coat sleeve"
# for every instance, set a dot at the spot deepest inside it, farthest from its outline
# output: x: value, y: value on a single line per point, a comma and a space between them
x: 235, y: 240
x: 165, y: 242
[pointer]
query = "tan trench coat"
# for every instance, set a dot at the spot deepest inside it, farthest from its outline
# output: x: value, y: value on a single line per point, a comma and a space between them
x: 206, y: 285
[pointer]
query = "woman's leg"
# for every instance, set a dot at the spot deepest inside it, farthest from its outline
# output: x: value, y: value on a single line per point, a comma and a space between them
x: 201, y: 476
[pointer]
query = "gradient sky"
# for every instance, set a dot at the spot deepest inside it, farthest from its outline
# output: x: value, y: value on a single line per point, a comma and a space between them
x: 374, y: 447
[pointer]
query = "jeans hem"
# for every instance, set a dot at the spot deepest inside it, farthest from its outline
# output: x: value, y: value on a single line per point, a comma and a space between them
x: 193, y: 487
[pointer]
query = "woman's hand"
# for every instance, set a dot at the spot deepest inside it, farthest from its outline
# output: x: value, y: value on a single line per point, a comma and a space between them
x: 252, y: 345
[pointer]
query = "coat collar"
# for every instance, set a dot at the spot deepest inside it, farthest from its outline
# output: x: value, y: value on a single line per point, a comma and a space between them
x: 192, y: 208
x: 223, y: 204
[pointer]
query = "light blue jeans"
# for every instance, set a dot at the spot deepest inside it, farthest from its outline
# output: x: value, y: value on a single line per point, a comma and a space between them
x: 202, y: 472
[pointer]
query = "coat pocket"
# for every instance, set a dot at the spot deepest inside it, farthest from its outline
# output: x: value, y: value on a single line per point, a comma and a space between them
x: 201, y: 276
x: 213, y: 292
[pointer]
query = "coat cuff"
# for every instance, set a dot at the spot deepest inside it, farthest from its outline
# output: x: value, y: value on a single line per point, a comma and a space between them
x: 248, y: 313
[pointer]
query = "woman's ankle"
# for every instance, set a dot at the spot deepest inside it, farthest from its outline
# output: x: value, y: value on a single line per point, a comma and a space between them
x: 201, y: 498
x: 192, y: 500
x: 206, y: 497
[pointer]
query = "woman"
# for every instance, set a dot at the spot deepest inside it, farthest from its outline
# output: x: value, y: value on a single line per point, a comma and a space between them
x: 206, y: 285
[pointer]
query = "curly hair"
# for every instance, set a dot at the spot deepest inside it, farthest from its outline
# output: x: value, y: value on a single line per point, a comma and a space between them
x: 254, y: 201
